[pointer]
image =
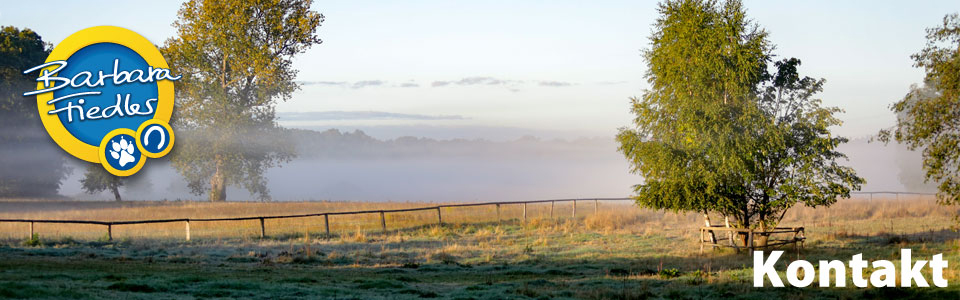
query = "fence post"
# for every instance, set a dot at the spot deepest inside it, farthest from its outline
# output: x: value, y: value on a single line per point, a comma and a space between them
x: 524, y: 212
x: 498, y: 214
x: 188, y: 230
x: 383, y: 222
x: 439, y: 217
x: 551, y: 208
x: 701, y: 241
x: 326, y: 223
x: 574, y: 215
x: 796, y: 243
x: 263, y: 229
x: 596, y: 206
x: 31, y: 231
x: 804, y: 236
x: 109, y: 232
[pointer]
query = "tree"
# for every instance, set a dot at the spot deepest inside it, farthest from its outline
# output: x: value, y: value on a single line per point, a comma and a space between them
x: 31, y: 164
x: 97, y: 180
x: 928, y: 117
x: 718, y: 132
x: 236, y: 58
x: 912, y: 174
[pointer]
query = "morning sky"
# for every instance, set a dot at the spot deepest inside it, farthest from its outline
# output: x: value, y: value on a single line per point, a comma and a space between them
x: 503, y: 69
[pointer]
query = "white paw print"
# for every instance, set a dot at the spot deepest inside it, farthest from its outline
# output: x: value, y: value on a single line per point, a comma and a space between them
x: 122, y: 151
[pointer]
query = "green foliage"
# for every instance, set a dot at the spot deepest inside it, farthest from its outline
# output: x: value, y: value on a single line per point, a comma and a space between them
x: 31, y: 165
x: 927, y: 117
x: 33, y: 241
x: 96, y: 179
x: 718, y: 132
x: 105, y: 238
x: 236, y: 58
x: 669, y: 273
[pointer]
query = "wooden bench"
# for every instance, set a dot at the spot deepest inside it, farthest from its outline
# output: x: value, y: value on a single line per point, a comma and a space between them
x: 708, y: 236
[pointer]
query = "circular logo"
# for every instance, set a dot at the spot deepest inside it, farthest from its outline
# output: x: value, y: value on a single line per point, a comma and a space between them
x: 119, y: 154
x: 110, y: 87
x: 155, y: 138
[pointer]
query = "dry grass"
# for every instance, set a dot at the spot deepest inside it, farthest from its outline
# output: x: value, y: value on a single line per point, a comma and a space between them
x: 599, y: 254
x: 848, y: 217
x: 345, y: 225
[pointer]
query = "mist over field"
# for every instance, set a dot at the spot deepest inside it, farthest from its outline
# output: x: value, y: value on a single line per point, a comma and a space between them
x: 354, y: 166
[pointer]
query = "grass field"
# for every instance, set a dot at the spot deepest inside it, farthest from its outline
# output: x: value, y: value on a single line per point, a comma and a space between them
x: 617, y: 252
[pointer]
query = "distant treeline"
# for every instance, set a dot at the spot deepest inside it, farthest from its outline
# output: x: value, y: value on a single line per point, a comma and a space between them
x: 334, y: 143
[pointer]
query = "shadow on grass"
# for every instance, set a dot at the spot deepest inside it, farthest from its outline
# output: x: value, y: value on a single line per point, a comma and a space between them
x: 382, y: 269
x: 888, y: 238
x: 714, y: 275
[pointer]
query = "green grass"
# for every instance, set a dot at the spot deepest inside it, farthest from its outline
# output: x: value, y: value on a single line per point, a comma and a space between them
x: 622, y: 252
x: 482, y: 261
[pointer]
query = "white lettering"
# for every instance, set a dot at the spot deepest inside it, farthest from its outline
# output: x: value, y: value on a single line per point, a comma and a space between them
x: 761, y: 268
x: 857, y: 265
x: 938, y: 264
x: 884, y: 271
x: 911, y: 272
x: 839, y: 270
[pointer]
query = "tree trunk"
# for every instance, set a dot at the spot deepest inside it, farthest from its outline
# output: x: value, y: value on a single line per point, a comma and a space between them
x: 730, y: 234
x: 706, y: 221
x: 761, y: 239
x: 116, y: 192
x: 218, y: 183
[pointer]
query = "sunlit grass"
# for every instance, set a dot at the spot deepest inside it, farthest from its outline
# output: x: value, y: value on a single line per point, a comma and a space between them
x: 619, y: 251
x: 339, y: 224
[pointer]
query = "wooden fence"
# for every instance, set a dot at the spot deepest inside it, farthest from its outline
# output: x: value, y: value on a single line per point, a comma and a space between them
x: 383, y: 222
x: 708, y: 237
x: 326, y: 215
x: 893, y: 193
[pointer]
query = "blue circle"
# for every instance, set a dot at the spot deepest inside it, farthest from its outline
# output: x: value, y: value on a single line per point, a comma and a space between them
x: 94, y: 59
x: 123, y: 154
x: 151, y: 139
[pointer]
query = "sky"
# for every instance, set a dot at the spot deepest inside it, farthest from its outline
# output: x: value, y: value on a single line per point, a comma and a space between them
x: 555, y: 69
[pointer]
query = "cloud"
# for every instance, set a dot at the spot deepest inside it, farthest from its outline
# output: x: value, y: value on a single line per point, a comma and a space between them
x: 512, y: 85
x: 355, y: 85
x: 475, y: 80
x: 336, y: 83
x: 360, y: 115
x: 481, y: 80
x: 366, y: 83
x: 611, y: 82
x: 555, y: 83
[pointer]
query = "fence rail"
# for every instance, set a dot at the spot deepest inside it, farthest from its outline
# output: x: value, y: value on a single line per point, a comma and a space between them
x: 382, y: 212
x: 893, y: 193
x: 326, y: 215
x: 750, y: 241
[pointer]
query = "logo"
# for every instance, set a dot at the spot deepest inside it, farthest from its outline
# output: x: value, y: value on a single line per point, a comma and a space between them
x: 105, y: 95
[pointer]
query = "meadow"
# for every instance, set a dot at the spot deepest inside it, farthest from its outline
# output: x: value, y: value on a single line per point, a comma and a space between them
x: 618, y: 251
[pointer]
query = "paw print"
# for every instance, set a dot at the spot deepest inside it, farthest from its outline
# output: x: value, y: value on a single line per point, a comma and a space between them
x: 122, y: 151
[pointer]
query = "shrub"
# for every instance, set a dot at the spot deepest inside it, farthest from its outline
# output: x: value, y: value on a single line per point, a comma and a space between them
x: 33, y: 241
x: 669, y: 273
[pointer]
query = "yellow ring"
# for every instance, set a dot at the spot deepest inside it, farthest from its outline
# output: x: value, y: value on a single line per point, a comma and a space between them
x: 96, y: 35
x: 143, y: 126
x: 102, y: 152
